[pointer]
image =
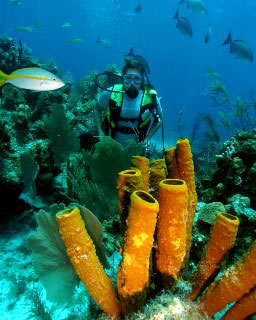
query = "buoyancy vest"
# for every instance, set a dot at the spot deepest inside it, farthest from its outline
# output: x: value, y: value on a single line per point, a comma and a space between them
x: 147, y: 106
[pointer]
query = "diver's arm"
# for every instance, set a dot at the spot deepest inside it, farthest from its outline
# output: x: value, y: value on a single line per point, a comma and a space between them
x: 98, y: 121
x: 154, y: 127
x: 158, y: 119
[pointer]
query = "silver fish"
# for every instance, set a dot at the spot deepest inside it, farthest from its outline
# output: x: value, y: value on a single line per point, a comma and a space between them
x: 76, y: 40
x: 208, y: 34
x: 105, y: 43
x: 195, y: 6
x: 183, y: 24
x: 66, y: 25
x: 239, y: 48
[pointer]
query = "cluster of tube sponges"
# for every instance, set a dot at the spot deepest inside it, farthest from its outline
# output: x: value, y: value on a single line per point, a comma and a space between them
x: 157, y: 203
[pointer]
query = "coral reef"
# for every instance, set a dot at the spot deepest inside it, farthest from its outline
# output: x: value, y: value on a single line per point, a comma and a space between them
x: 168, y: 307
x: 30, y: 123
x: 217, y: 92
x: 235, y: 173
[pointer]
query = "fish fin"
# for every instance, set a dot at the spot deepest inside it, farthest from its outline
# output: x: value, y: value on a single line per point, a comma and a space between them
x: 228, y: 40
x: 176, y: 16
x: 131, y: 53
x: 209, y: 72
x: 17, y: 72
x: 3, y: 78
x: 98, y: 40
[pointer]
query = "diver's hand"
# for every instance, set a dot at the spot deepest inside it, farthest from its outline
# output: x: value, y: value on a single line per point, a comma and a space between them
x: 145, y: 142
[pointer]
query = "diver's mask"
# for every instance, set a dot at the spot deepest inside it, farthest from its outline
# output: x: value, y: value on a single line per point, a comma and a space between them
x: 130, y: 77
x: 136, y: 79
x: 106, y: 80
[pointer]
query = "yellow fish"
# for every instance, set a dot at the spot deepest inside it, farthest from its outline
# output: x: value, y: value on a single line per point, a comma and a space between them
x: 25, y: 28
x: 32, y: 78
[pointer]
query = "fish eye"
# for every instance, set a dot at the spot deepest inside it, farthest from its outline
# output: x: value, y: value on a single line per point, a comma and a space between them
x: 54, y: 79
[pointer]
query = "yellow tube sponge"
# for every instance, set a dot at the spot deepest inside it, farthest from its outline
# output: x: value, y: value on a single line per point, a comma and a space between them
x: 159, y: 164
x: 171, y: 230
x: 172, y: 163
x: 157, y: 173
x: 232, y: 285
x: 133, y: 271
x: 186, y: 171
x: 245, y: 307
x: 142, y: 164
x: 222, y: 238
x: 128, y: 182
x: 82, y: 254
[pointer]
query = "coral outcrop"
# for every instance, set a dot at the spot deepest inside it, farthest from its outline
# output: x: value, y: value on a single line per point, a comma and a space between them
x: 236, y: 170
x: 24, y: 117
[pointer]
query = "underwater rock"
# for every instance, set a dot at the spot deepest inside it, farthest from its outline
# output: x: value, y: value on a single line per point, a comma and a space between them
x: 237, y: 167
x: 236, y: 172
x: 168, y: 306
x: 4, y: 139
x: 12, y: 97
x: 22, y: 116
x: 220, y: 190
x: 250, y: 185
x: 207, y: 216
x: 240, y: 206
x: 208, y: 195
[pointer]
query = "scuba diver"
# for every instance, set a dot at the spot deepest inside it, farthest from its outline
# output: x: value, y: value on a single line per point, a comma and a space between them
x: 129, y: 110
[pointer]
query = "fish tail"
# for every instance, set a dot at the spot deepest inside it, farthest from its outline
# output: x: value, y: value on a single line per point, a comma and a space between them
x: 176, y: 17
x: 228, y: 40
x: 209, y: 72
x: 3, y: 78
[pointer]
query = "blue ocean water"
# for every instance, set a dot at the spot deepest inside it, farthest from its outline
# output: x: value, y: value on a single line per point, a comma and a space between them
x: 178, y: 63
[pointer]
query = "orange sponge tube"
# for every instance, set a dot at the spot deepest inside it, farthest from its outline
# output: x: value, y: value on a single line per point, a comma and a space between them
x: 133, y: 271
x: 82, y: 254
x: 233, y: 284
x: 128, y: 182
x: 142, y: 164
x: 222, y: 238
x: 171, y: 230
x: 186, y: 171
x: 172, y: 163
x: 245, y: 307
x: 157, y: 173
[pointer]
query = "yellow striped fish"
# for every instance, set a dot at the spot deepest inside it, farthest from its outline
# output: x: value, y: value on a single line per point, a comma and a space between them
x: 33, y: 79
